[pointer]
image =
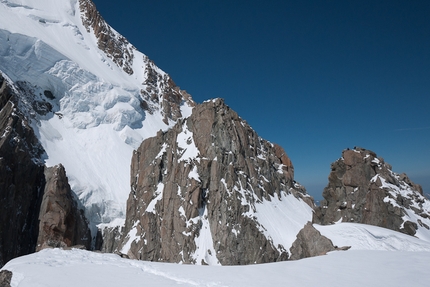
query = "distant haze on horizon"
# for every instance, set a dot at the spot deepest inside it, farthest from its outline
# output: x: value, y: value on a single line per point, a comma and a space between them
x: 315, y: 77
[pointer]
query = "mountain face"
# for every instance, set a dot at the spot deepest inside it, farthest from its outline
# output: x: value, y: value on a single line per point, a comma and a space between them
x: 363, y: 188
x: 29, y: 191
x: 211, y: 191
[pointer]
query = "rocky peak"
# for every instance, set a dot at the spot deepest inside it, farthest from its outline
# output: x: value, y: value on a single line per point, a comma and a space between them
x: 199, y: 193
x: 62, y: 223
x: 363, y: 188
x: 161, y: 92
x: 114, y: 45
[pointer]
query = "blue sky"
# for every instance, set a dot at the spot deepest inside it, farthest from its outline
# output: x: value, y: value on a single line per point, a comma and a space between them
x: 315, y: 77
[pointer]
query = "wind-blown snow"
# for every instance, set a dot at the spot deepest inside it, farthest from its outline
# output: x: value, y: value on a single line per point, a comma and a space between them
x: 55, y: 267
x: 98, y: 120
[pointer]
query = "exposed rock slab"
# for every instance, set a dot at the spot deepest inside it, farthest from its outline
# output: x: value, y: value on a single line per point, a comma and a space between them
x: 362, y: 188
x: 62, y: 223
x: 196, y: 189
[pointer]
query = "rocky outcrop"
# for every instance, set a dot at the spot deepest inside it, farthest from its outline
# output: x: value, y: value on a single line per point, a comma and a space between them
x: 114, y: 45
x: 310, y: 243
x: 5, y: 278
x: 62, y: 223
x: 362, y: 188
x: 21, y: 179
x: 197, y: 192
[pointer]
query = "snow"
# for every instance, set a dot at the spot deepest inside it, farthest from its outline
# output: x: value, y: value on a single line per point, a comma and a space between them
x: 187, y: 148
x: 205, y: 251
x: 158, y: 197
x: 55, y: 267
x: 98, y: 121
x: 194, y: 174
x: 281, y: 219
x: 132, y: 237
x: 368, y: 237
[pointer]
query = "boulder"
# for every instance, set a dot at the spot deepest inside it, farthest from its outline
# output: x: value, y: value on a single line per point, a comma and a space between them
x: 310, y: 243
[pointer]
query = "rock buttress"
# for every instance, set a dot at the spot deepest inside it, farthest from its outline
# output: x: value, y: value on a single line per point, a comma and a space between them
x: 362, y: 188
x: 196, y: 188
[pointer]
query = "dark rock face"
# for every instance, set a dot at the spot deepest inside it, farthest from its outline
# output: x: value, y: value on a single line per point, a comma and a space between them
x: 5, y: 278
x: 22, y: 187
x: 310, y: 243
x: 21, y: 179
x: 196, y: 188
x: 62, y: 223
x: 115, y: 46
x: 362, y: 188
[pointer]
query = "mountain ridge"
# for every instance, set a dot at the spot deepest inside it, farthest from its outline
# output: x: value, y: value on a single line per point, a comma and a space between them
x: 202, y: 186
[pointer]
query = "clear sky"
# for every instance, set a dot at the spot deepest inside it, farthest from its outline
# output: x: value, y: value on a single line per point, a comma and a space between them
x: 315, y: 77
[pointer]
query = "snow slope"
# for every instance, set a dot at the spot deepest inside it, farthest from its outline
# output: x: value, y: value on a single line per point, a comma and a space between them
x: 55, y: 267
x: 98, y: 118
x: 369, y: 237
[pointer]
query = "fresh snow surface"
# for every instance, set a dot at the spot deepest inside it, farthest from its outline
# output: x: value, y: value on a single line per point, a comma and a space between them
x: 98, y: 121
x: 369, y: 237
x: 55, y: 267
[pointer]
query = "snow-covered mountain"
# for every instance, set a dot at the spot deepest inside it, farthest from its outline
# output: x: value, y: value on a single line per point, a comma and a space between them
x: 92, y: 98
x: 97, y: 96
x: 163, y: 178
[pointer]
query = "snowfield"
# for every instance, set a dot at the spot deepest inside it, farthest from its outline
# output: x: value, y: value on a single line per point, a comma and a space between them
x: 55, y: 267
x: 378, y: 257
